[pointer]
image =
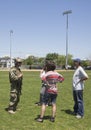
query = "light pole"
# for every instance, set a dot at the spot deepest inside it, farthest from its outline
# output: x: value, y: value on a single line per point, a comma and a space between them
x: 66, y: 13
x: 11, y: 32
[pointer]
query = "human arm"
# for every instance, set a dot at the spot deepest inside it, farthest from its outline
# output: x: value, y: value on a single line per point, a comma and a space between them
x: 84, y: 75
x: 42, y: 73
x: 13, y: 75
x: 60, y: 78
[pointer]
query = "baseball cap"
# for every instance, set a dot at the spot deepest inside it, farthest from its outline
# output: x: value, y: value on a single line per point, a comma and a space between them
x: 77, y: 60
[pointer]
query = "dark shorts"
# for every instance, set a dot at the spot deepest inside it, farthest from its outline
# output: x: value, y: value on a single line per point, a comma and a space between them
x: 49, y: 96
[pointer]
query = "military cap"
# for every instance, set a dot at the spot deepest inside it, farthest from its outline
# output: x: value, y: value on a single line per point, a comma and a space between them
x: 18, y: 60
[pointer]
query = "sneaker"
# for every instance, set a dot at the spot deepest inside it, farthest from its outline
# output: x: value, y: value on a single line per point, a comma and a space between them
x: 46, y: 105
x: 38, y: 103
x: 79, y: 116
x: 11, y: 111
x: 52, y: 119
x: 39, y: 120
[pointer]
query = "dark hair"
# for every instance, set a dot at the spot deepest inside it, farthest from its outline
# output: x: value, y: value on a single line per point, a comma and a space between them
x: 50, y: 65
x: 44, y: 68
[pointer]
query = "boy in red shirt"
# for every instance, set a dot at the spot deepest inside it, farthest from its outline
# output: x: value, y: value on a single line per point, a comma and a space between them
x: 51, y: 78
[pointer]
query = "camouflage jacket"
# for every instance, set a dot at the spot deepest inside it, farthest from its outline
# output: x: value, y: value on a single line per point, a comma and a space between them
x: 13, y: 75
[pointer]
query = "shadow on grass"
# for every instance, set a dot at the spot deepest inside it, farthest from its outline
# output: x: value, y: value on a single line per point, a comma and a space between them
x: 44, y: 118
x: 68, y: 111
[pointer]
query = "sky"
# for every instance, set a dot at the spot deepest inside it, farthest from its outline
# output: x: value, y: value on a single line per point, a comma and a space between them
x: 39, y: 27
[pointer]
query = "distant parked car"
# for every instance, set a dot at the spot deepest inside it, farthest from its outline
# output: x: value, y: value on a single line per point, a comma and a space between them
x: 88, y: 68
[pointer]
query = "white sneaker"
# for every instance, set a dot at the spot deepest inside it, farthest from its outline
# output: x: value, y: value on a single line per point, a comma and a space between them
x: 78, y: 116
x: 11, y: 111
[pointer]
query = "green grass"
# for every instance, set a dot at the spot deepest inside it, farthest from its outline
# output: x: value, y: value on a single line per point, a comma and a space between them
x: 24, y: 119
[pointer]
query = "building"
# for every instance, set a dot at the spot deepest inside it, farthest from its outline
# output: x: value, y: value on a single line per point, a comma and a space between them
x: 6, y: 62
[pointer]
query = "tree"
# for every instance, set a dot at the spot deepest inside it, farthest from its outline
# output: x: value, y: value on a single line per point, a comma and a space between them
x: 29, y: 60
x: 40, y: 61
x: 61, y: 61
x: 70, y: 61
x: 85, y: 63
x: 52, y: 56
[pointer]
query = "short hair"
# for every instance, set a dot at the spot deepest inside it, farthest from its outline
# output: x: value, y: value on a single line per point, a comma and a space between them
x: 50, y: 65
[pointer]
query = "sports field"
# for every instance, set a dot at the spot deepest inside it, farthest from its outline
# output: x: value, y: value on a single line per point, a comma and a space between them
x: 24, y: 119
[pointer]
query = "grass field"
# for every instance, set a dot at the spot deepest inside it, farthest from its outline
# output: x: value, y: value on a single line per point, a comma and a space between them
x: 24, y: 119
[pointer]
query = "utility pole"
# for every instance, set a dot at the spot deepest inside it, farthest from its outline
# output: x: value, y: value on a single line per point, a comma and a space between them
x: 11, y: 32
x: 67, y: 13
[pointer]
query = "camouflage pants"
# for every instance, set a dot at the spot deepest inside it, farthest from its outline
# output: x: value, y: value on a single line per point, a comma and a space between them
x: 14, y: 97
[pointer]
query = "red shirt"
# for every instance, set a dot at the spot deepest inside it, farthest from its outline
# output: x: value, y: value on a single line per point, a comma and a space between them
x: 51, y: 78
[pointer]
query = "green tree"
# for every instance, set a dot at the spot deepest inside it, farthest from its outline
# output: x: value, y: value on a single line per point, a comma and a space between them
x: 29, y: 60
x: 85, y: 63
x: 61, y: 60
x: 52, y: 56
x: 70, y: 61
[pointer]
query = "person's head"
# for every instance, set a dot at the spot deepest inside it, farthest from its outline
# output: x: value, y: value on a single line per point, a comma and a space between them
x: 77, y: 62
x: 18, y: 62
x: 50, y: 66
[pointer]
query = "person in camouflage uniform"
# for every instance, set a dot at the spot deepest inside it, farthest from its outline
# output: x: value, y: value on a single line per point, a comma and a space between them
x: 15, y: 78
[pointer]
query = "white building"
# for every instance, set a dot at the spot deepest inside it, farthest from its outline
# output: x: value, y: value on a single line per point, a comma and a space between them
x: 6, y: 62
